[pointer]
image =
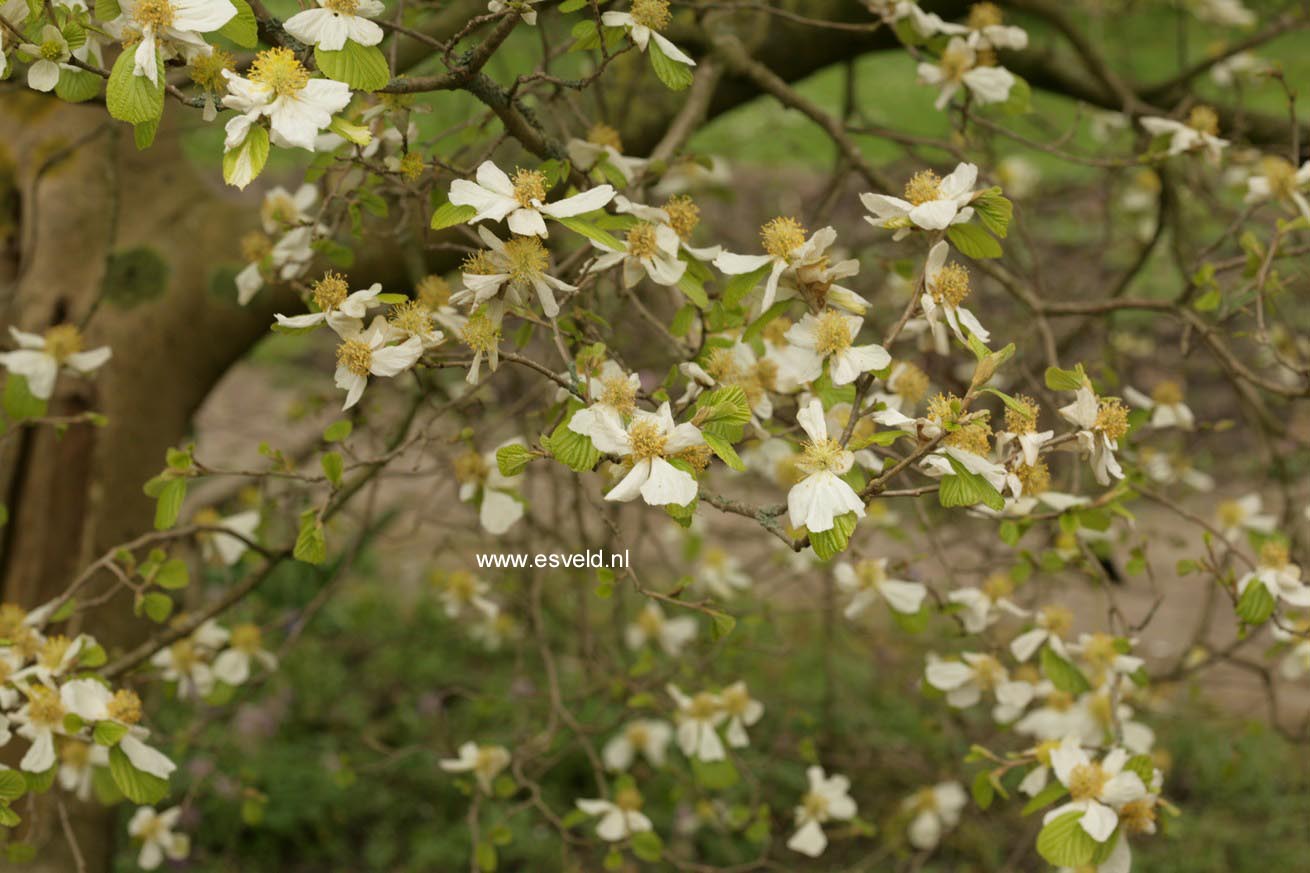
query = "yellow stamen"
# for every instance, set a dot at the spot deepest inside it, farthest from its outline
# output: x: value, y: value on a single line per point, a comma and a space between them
x: 782, y: 236
x: 279, y: 69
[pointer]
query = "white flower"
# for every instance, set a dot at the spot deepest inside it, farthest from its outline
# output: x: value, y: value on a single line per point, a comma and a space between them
x: 1052, y: 623
x: 78, y: 761
x: 343, y: 312
x: 187, y: 661
x: 40, y: 358
x: 279, y: 88
x: 1019, y: 176
x: 51, y: 56
x: 945, y: 287
x: 650, y: 247
x: 797, y: 265
x: 981, y: 607
x: 1226, y: 73
x: 644, y: 21
x: 720, y: 573
x: 938, y: 464
x: 742, y: 711
x: 671, y: 634
x: 1279, y: 179
x: 335, y: 21
x: 1280, y: 577
x: 697, y: 721
x: 225, y: 548
x: 155, y: 831
x: 1165, y: 404
x: 867, y: 582
x: 366, y: 354
x: 528, y: 15
x: 481, y: 481
x: 503, y: 273
x: 1199, y: 132
x: 1230, y: 13
x: 934, y: 811
x: 1296, y: 664
x: 170, y: 28
x: 1101, y: 422
x: 958, y: 66
x: 964, y: 682
x: 648, y: 737
x: 91, y: 701
x: 522, y: 199
x: 1244, y: 514
x: 39, y: 720
x: 484, y: 762
x: 1098, y: 790
x: 245, y: 647
x: 830, y: 336
x: 931, y: 202
x: 986, y: 30
x: 827, y: 799
x: 817, y: 500
x: 602, y: 146
x: 648, y: 440
x: 615, y: 389
x: 618, y: 820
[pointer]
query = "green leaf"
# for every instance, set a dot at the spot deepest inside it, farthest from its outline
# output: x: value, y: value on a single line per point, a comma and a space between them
x: 1256, y: 603
x: 994, y: 210
x: 77, y: 86
x: 12, y: 785
x: 242, y: 28
x: 108, y: 733
x: 572, y: 449
x: 715, y: 775
x: 449, y: 215
x: 19, y: 402
x: 143, y: 134
x: 169, y: 505
x: 739, y: 286
x: 132, y: 98
x: 337, y: 431
x: 311, y: 546
x: 485, y: 854
x: 157, y: 606
x: 512, y: 459
x: 137, y: 786
x: 830, y: 543
x: 243, y: 164
x: 966, y: 488
x: 332, y: 467
x: 172, y: 574
x: 1065, y: 380
x: 982, y: 789
x: 363, y: 68
x: 1063, y: 675
x: 727, y: 411
x: 648, y: 846
x: 693, y: 290
x: 593, y: 233
x: 973, y: 242
x: 1143, y: 766
x: 107, y: 10
x: 1064, y: 843
x: 572, y: 5
x: 724, y: 450
x: 675, y: 76
x: 40, y: 782
x: 1044, y: 798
